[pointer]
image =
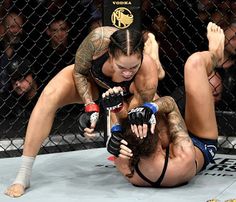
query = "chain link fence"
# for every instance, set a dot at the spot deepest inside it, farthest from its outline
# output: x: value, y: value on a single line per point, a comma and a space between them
x: 46, y: 34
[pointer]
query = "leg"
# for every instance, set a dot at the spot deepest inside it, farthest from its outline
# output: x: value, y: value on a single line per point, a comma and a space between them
x: 60, y: 91
x: 152, y: 49
x: 199, y: 110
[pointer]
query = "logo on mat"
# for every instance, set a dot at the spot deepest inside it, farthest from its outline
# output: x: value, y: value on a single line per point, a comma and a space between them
x: 212, y: 149
x: 122, y: 18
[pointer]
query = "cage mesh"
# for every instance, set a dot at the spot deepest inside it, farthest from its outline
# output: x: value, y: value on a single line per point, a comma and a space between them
x: 179, y: 27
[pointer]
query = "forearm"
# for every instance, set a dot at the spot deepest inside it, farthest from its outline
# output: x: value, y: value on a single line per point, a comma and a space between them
x: 121, y: 115
x: 146, y: 81
x: 166, y: 104
x: 177, y: 127
x: 83, y: 61
x: 83, y: 88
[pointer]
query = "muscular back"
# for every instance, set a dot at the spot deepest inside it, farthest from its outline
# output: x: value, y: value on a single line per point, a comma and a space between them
x: 179, y: 169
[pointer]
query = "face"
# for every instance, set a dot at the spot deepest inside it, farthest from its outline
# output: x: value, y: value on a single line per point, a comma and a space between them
x: 58, y: 31
x: 13, y: 28
x: 160, y: 23
x: 126, y: 67
x: 23, y: 86
x: 230, y: 40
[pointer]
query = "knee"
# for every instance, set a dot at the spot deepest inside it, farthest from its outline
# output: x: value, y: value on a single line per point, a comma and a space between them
x: 194, y: 62
x: 49, y: 96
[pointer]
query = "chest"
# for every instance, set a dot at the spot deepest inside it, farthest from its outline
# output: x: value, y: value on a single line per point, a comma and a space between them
x: 104, y: 75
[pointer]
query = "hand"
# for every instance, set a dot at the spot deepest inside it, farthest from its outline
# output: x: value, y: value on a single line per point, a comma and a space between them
x: 125, y: 151
x: 114, y: 143
x: 88, y: 120
x: 118, y: 147
x: 140, y: 117
x: 112, y: 99
x: 83, y: 123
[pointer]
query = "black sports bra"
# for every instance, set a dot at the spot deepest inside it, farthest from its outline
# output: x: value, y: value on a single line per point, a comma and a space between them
x: 104, y: 81
x: 159, y: 181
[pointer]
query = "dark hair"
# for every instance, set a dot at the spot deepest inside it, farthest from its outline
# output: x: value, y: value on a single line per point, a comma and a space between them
x: 59, y: 17
x: 140, y: 147
x: 18, y: 68
x: 127, y: 42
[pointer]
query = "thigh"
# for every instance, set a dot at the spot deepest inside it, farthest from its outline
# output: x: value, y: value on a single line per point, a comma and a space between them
x: 62, y: 89
x: 199, y: 108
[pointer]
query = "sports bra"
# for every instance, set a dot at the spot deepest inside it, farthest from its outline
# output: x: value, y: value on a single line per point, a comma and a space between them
x: 159, y: 181
x: 104, y: 81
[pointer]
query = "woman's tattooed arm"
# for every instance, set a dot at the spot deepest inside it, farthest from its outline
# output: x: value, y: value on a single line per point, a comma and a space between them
x: 177, y: 127
x: 95, y: 44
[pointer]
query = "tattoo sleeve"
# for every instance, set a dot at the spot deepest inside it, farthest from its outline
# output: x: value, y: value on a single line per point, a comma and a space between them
x: 177, y: 127
x: 95, y: 44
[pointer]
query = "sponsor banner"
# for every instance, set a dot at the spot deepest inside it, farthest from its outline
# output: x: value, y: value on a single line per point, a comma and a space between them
x: 122, y: 14
x: 223, y: 167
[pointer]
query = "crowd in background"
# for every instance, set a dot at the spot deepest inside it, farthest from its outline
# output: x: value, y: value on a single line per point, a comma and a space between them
x: 38, y: 38
x: 41, y: 37
x: 180, y: 28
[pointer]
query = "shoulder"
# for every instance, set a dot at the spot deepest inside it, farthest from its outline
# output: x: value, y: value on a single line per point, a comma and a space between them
x: 183, y: 154
x: 103, y: 32
x: 98, y: 39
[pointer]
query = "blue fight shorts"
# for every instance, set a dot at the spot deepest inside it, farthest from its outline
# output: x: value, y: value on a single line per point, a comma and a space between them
x: 207, y: 147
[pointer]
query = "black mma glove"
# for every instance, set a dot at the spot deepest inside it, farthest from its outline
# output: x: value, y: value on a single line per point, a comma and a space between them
x: 143, y: 114
x: 113, y: 102
x: 83, y: 122
x: 90, y: 116
x: 114, y: 141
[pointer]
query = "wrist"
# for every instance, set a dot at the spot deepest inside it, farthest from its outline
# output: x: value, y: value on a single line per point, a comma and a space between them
x: 89, y: 103
x: 122, y: 114
x: 151, y: 105
x: 117, y: 110
x: 91, y: 107
x: 116, y: 128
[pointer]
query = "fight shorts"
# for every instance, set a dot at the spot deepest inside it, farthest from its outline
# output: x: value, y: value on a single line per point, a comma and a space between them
x: 207, y: 147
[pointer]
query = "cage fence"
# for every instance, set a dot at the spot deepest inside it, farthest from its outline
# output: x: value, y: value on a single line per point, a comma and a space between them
x: 179, y: 27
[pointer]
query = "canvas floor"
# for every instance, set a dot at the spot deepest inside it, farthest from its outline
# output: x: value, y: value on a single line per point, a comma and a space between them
x: 88, y: 176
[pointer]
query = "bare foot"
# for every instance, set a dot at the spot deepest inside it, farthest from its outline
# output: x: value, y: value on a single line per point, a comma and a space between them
x: 216, y: 39
x: 152, y: 49
x: 15, y: 190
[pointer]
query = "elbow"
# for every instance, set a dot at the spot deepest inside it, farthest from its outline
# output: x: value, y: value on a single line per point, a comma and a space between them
x: 170, y: 99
